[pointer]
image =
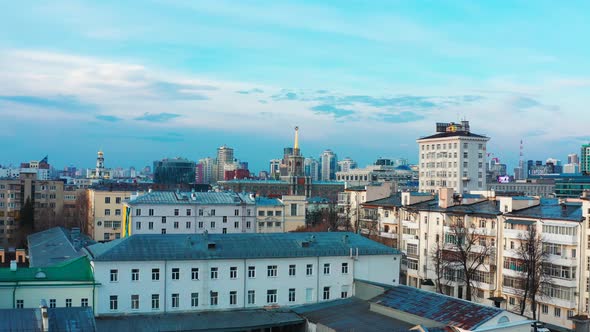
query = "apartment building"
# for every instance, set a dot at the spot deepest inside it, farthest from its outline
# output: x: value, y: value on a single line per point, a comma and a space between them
x: 454, y: 157
x: 193, y: 273
x: 423, y: 224
x: 350, y: 201
x: 168, y: 212
x: 105, y: 205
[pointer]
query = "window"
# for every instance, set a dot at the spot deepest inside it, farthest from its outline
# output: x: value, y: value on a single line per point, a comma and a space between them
x: 155, y: 301
x: 163, y: 230
x: 135, y: 275
x: 176, y: 212
x: 271, y: 271
x: 236, y: 212
x: 291, y: 294
x: 224, y: 218
x: 213, y: 212
x: 52, y: 303
x: 269, y: 213
x: 248, y: 224
x: 557, y: 312
x: 344, y: 292
x: 292, y: 269
x: 107, y: 200
x: 114, y: 275
x: 163, y: 219
x: 194, y: 300
x: 138, y: 225
x: 233, y: 297
x: 117, y: 212
x: 213, y: 224
x: 233, y: 272
x: 308, y: 294
x: 176, y: 225
x: 155, y: 274
x: 175, y: 300
x: 20, y: 304
x: 327, y: 268
x: 271, y: 296
x: 278, y: 213
x: 293, y: 209
x: 545, y: 309
x: 68, y: 303
x: 135, y: 302
x: 251, y: 296
x: 511, y: 300
x: 251, y: 272
x: 188, y: 225
x: 200, y: 212
x: 326, y: 293
x: 195, y: 273
x: 248, y: 212
x: 200, y: 224
x: 118, y: 200
x: 188, y: 212
x: 175, y: 273
x: 214, y: 271
x: 150, y: 225
x: 213, y: 298
x: 114, y: 302
x: 309, y: 269
x: 107, y: 212
x: 570, y: 313
x: 236, y: 224
x: 344, y: 268
x: 150, y: 212
x: 260, y: 213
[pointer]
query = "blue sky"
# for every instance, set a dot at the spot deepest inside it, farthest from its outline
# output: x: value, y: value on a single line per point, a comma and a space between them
x: 144, y: 80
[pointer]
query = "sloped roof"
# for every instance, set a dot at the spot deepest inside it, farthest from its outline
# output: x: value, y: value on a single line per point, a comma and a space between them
x: 77, y: 269
x: 393, y: 200
x: 551, y: 209
x: 265, y: 201
x: 209, y: 198
x: 55, y: 245
x: 453, y: 134
x: 437, y: 307
x: 145, y: 247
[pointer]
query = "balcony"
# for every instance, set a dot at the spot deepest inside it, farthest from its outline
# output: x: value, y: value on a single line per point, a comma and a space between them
x: 388, y: 235
x: 560, y: 239
x: 514, y: 233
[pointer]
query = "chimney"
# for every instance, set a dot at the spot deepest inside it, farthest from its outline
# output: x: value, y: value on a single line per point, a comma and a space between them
x: 44, y: 316
x: 445, y: 197
x: 13, y: 266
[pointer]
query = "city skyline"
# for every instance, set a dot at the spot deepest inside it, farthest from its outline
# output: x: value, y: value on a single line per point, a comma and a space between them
x: 183, y: 78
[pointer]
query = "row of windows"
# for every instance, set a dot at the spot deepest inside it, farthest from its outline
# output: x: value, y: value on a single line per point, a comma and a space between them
x: 53, y: 303
x: 271, y: 271
x: 444, y: 146
x: 271, y: 298
x: 189, y: 212
x: 188, y: 224
x: 270, y: 213
x: 107, y: 200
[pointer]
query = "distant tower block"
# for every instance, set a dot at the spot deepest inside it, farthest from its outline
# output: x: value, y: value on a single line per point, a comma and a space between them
x: 99, y: 173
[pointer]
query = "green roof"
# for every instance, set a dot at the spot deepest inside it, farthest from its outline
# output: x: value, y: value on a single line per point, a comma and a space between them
x: 151, y: 247
x: 77, y: 269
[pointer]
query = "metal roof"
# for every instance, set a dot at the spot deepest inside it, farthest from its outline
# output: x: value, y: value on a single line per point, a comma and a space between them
x: 519, y: 222
x: 145, y: 247
x: 55, y: 245
x: 60, y: 319
x: 437, y: 307
x: 206, y: 198
x: 77, y: 269
x: 350, y: 314
x: 265, y: 201
x: 551, y: 209
x: 453, y: 134
x: 393, y: 200
x: 230, y: 320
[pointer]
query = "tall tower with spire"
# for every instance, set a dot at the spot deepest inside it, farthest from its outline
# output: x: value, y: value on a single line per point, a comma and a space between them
x: 295, y: 159
x: 99, y: 173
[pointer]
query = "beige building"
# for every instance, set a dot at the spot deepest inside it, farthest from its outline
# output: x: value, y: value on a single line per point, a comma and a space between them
x: 295, y: 207
x: 106, y: 211
x: 47, y: 198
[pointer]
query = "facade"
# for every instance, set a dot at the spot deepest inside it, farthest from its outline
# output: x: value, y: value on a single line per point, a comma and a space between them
x: 225, y: 156
x: 206, y: 171
x: 105, y: 208
x: 47, y: 198
x: 174, y: 171
x: 533, y: 187
x: 454, y: 157
x: 312, y: 169
x: 329, y: 164
x: 350, y: 201
x: 270, y: 215
x: 376, y: 173
x: 277, y: 188
x: 585, y: 159
x: 166, y: 212
x: 295, y: 207
x: 419, y: 224
x: 195, y: 273
x: 346, y: 165
x: 100, y: 172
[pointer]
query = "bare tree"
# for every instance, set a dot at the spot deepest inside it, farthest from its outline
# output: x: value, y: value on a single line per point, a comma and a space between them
x: 440, y: 266
x: 81, y: 215
x: 464, y: 252
x: 532, y: 258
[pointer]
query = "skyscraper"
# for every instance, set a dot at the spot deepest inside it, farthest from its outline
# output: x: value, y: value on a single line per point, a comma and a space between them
x: 225, y: 155
x: 454, y: 157
x: 174, y: 171
x: 312, y: 168
x: 207, y: 170
x: 346, y: 164
x: 329, y: 161
x: 585, y: 159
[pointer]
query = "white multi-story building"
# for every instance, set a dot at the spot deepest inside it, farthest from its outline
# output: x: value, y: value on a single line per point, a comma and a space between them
x: 454, y: 157
x: 166, y: 212
x: 154, y: 274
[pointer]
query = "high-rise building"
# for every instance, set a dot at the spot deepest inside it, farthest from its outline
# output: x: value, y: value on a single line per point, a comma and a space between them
x: 275, y: 168
x: 346, y: 164
x: 174, y: 171
x: 329, y: 161
x: 312, y: 168
x: 206, y: 170
x: 294, y: 161
x: 585, y: 159
x: 225, y: 155
x: 573, y: 158
x: 454, y: 157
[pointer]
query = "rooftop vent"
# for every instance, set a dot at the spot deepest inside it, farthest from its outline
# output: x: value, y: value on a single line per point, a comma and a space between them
x: 305, y: 244
x: 211, y: 245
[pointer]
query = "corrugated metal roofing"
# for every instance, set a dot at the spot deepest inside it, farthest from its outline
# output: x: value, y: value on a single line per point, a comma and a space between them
x: 144, y: 247
x: 437, y: 307
x: 206, y: 198
x: 265, y: 201
x: 393, y: 200
x: 551, y: 209
x: 54, y: 246
x: 519, y: 222
x: 452, y: 134
x: 60, y: 319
